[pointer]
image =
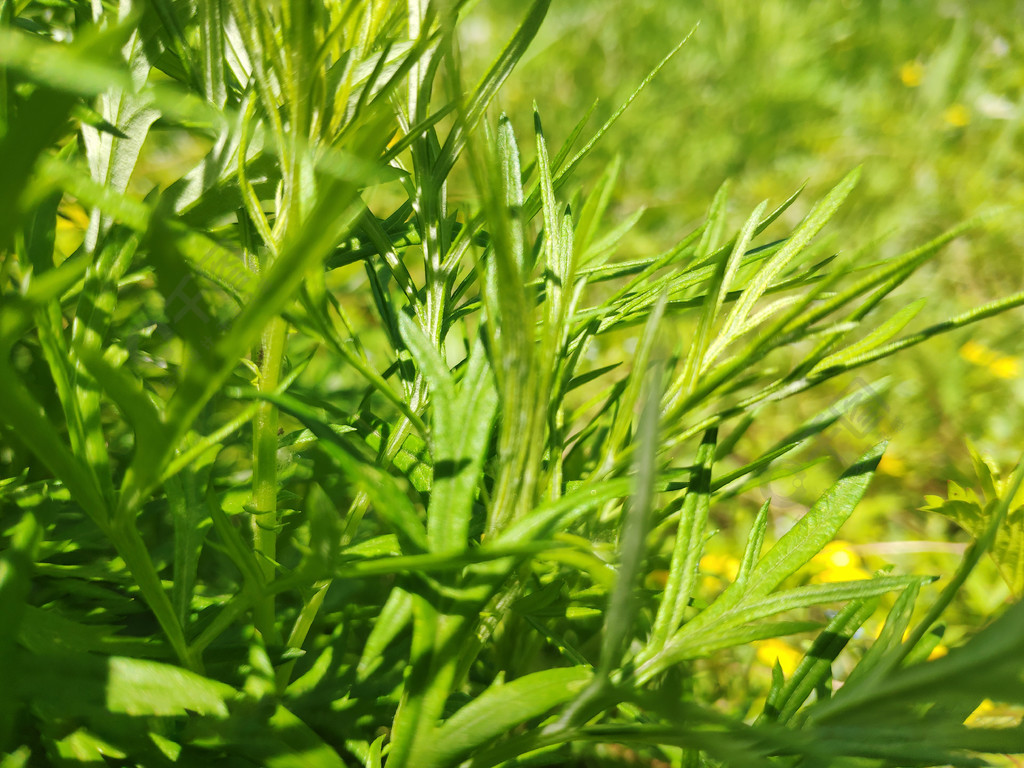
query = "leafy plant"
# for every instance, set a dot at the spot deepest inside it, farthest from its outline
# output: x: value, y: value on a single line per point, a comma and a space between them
x: 973, y: 511
x: 312, y: 457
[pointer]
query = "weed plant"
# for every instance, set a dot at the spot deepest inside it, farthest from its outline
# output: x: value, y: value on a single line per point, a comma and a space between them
x: 306, y: 460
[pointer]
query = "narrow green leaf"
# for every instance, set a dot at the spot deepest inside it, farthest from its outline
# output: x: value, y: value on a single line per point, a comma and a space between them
x: 111, y: 159
x: 562, y: 512
x: 462, y: 423
x: 755, y: 540
x: 429, y: 361
x: 27, y: 418
x: 172, y: 25
x: 712, y: 236
x: 911, y: 743
x: 187, y: 503
x: 298, y: 745
x: 814, y: 530
x: 889, y: 275
x: 489, y: 85
x: 816, y: 666
x: 570, y: 166
x: 140, y: 688
x: 594, y: 208
x: 703, y: 352
x: 797, y: 242
x: 623, y: 605
x: 891, y: 636
x: 40, y: 120
x: 689, y: 544
x: 875, y: 338
x: 508, y: 154
x: 795, y: 441
x: 394, y: 617
x: 388, y: 499
x: 500, y: 709
x: 212, y: 39
x: 987, y: 666
x: 79, y: 683
x: 557, y: 259
x: 629, y: 398
x: 131, y: 399
x: 724, y: 629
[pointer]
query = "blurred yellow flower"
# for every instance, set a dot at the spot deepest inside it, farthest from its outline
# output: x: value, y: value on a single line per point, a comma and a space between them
x: 72, y: 222
x: 718, y: 571
x: 986, y: 708
x: 838, y: 562
x: 957, y: 115
x: 837, y: 554
x: 72, y: 216
x: 911, y: 73
x: 725, y: 566
x: 1005, y: 367
x: 989, y: 714
x: 892, y: 465
x: 656, y: 579
x: 976, y: 353
x: 770, y: 651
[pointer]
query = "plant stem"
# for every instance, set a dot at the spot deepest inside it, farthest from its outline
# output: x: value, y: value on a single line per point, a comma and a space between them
x: 264, y: 476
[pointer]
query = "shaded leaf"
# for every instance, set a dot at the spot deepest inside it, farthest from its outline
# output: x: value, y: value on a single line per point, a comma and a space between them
x: 501, y: 708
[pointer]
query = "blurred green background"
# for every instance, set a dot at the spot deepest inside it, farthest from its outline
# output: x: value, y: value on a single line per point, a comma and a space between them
x: 927, y: 96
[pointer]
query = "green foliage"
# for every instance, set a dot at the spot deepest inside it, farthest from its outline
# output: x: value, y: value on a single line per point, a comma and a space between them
x: 974, y: 511
x: 312, y: 455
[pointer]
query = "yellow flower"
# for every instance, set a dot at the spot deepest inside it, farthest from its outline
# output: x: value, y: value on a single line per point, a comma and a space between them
x: 72, y: 222
x: 957, y: 115
x: 838, y: 562
x: 989, y: 714
x: 770, y: 651
x: 892, y: 465
x: 837, y: 554
x: 72, y: 216
x: 1005, y: 367
x: 725, y: 566
x: 656, y: 579
x: 986, y: 708
x: 718, y: 571
x: 911, y: 73
x: 976, y: 353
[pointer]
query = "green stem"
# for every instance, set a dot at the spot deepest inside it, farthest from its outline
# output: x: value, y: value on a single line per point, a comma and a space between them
x: 264, y: 475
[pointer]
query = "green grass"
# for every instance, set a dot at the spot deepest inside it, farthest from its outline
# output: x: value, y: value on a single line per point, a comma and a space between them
x: 320, y: 446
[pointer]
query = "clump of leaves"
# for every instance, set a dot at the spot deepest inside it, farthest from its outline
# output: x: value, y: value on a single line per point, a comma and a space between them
x: 297, y: 475
x: 974, y: 510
